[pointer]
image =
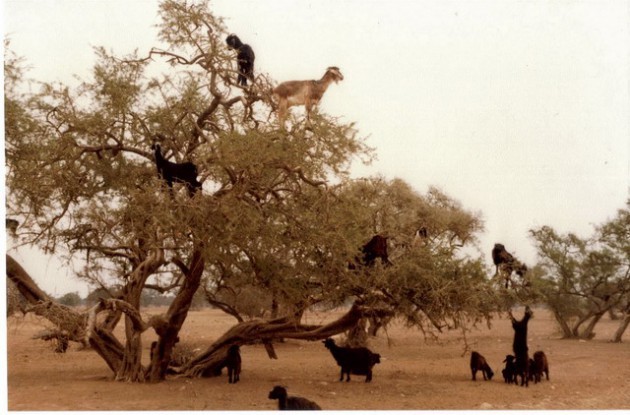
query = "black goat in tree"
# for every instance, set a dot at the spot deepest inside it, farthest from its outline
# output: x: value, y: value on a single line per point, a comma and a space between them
x: 245, y: 59
x: 185, y: 173
x: 505, y: 264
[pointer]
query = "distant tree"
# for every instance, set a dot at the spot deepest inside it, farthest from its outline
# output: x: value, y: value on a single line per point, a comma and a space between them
x: 278, y: 219
x: 70, y: 299
x: 585, y: 278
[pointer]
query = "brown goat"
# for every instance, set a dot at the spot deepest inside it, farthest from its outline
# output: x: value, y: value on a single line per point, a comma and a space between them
x: 307, y: 93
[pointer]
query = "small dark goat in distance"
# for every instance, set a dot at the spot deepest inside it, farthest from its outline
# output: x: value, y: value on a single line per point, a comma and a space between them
x: 509, y: 373
x: 185, y: 173
x: 540, y: 366
x: 355, y: 360
x: 233, y: 363
x: 291, y: 403
x: 478, y: 362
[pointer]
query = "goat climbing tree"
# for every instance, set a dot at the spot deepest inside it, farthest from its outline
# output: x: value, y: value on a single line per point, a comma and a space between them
x: 277, y: 213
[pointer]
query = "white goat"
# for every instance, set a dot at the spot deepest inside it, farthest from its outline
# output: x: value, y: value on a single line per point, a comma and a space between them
x: 307, y: 93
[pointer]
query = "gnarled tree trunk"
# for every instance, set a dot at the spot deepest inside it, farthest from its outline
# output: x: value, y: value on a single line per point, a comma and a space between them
x: 168, y: 326
x: 211, y: 361
x: 64, y: 318
x: 621, y: 329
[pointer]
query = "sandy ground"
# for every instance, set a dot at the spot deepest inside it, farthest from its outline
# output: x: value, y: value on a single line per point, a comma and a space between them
x: 415, y: 373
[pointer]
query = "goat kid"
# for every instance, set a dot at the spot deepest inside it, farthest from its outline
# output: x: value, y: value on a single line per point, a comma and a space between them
x: 509, y: 372
x: 540, y: 366
x: 307, y: 93
x: 185, y: 173
x: 478, y: 362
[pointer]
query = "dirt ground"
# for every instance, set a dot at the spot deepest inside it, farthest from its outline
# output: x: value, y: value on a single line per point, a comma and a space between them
x: 415, y: 373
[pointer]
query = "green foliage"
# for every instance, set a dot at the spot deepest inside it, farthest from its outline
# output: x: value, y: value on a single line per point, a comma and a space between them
x: 584, y: 278
x: 278, y: 219
x: 70, y: 299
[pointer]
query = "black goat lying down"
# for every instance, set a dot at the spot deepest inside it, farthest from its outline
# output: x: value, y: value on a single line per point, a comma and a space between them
x: 355, y: 360
x: 291, y: 403
x: 185, y: 173
x: 478, y: 362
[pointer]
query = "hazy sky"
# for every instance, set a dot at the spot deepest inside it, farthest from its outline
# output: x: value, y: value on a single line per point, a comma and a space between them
x: 518, y: 109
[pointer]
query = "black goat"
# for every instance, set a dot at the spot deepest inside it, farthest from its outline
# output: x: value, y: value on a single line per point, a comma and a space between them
x: 519, y: 346
x: 374, y: 248
x: 478, y: 362
x: 233, y: 363
x: 541, y: 365
x: 11, y: 225
x: 245, y: 59
x: 185, y: 173
x: 530, y: 366
x: 507, y: 264
x: 355, y: 360
x: 291, y: 403
x: 509, y: 373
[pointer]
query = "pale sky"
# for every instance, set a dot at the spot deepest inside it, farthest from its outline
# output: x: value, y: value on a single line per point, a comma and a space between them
x: 518, y: 109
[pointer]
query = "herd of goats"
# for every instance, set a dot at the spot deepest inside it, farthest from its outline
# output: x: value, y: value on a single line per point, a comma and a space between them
x: 361, y: 361
x: 353, y: 360
x: 287, y: 94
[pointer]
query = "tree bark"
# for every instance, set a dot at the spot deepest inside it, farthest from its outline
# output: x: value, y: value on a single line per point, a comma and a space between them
x: 171, y: 323
x: 588, y: 331
x: 64, y: 318
x: 130, y: 369
x: 621, y: 329
x: 566, y: 330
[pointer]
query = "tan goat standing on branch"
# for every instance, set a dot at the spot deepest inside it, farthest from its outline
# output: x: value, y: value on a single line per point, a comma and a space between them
x: 307, y: 93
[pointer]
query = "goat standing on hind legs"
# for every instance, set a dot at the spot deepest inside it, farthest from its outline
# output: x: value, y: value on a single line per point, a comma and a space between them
x: 307, y: 93
x: 185, y: 173
x: 520, y: 346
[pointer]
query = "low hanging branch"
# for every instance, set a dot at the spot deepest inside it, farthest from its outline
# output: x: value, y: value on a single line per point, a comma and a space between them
x: 210, y: 362
x: 64, y: 318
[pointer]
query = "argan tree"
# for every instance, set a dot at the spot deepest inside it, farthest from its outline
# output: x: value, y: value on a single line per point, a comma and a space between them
x: 584, y: 278
x: 277, y: 212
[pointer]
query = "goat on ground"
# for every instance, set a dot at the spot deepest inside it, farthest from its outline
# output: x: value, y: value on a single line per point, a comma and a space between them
x: 307, y: 93
x: 233, y: 363
x: 478, y: 362
x: 509, y: 372
x: 185, y: 173
x: 355, y: 360
x: 541, y: 365
x: 519, y: 346
x: 531, y: 367
x: 291, y: 403
x: 245, y: 59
